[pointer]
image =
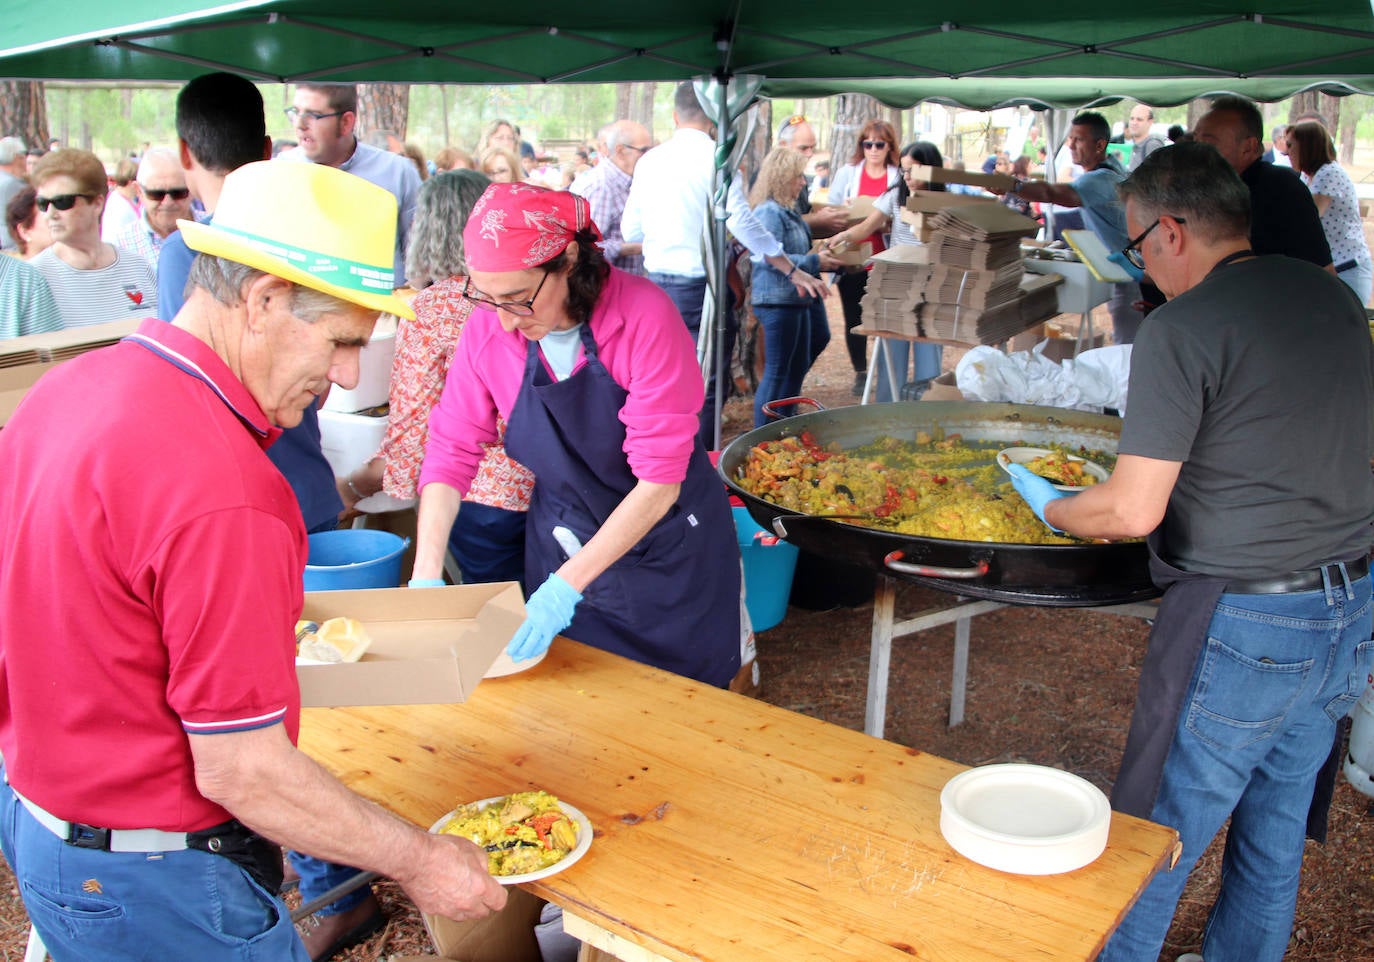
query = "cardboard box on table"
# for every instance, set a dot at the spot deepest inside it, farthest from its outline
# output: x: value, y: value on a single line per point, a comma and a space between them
x: 64, y: 344
x: 15, y: 383
x: 430, y: 646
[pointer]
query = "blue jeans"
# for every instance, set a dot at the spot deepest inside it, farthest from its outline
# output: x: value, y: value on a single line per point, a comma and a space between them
x: 115, y: 906
x: 897, y: 353
x: 787, y: 354
x: 1276, y: 674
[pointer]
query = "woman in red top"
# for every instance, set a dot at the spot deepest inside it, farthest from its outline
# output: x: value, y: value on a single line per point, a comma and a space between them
x: 872, y: 170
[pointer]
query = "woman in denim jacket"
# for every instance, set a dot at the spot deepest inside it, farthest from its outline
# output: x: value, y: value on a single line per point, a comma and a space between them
x: 795, y: 329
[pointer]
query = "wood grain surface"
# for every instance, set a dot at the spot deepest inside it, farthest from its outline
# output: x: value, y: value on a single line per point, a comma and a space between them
x: 726, y: 828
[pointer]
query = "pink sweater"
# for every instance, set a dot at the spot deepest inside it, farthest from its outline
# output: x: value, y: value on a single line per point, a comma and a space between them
x: 642, y: 341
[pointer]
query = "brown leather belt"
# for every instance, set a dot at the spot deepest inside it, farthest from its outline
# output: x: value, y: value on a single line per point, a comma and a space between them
x: 1309, y: 580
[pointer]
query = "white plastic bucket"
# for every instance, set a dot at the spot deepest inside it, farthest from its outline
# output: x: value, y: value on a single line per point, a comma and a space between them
x: 1359, y: 757
x: 374, y: 373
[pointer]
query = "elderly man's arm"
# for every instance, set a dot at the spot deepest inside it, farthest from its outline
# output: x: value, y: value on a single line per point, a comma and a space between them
x: 280, y: 793
x: 1129, y: 504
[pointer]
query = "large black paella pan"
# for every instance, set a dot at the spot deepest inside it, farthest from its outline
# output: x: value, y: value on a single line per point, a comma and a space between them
x: 1073, y: 575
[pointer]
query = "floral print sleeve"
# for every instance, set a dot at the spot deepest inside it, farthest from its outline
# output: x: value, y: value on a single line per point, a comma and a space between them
x: 424, y: 350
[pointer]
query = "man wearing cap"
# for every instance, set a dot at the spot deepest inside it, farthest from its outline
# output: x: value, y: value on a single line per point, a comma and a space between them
x: 607, y: 185
x: 148, y: 740
x: 325, y: 117
x: 14, y: 167
x: 166, y: 200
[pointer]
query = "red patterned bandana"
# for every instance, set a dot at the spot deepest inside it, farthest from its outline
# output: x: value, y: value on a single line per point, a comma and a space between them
x: 514, y: 227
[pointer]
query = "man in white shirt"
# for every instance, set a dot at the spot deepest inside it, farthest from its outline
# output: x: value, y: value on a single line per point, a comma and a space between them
x: 166, y: 200
x: 668, y: 211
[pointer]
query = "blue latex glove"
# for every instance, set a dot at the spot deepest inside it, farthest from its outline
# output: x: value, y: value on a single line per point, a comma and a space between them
x: 1036, y: 490
x: 548, y: 611
x: 1124, y: 262
x: 425, y: 583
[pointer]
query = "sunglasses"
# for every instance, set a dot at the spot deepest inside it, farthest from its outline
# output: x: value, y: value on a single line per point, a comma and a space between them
x: 1132, y: 250
x: 518, y: 308
x: 875, y: 145
x: 156, y: 194
x: 61, y: 201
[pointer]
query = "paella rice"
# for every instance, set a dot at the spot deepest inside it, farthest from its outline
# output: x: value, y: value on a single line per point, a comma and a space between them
x: 934, y: 487
x: 523, y: 832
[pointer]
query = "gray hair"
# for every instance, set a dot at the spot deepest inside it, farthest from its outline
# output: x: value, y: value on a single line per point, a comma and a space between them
x: 11, y: 148
x: 154, y: 154
x: 434, y: 250
x: 1193, y: 182
x: 225, y: 280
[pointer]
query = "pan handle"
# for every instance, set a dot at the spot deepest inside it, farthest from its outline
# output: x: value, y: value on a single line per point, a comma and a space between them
x: 770, y: 408
x: 894, y: 562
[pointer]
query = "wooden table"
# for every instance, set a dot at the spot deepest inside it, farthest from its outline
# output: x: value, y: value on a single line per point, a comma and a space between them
x: 726, y: 828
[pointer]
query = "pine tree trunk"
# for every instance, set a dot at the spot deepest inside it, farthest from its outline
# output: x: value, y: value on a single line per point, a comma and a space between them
x: 759, y: 144
x: 1330, y: 107
x: 1345, y: 145
x: 852, y: 112
x: 24, y: 112
x: 642, y: 110
x: 383, y: 107
x: 1196, y: 108
x: 624, y: 98
x: 1307, y: 102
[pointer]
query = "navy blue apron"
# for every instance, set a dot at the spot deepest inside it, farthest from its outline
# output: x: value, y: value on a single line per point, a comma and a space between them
x: 673, y: 600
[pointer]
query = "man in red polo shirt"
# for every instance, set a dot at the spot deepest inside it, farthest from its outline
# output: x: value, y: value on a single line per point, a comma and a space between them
x: 150, y: 576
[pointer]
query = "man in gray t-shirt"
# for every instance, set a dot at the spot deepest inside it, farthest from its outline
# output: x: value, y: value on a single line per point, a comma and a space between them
x: 1245, y: 457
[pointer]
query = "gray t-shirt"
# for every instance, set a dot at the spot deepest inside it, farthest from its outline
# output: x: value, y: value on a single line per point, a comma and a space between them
x: 125, y: 289
x: 1261, y: 381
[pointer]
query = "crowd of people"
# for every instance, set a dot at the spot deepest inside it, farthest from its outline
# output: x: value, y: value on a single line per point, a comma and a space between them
x: 550, y: 414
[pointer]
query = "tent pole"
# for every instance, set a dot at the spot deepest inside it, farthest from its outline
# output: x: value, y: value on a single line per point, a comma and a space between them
x: 718, y: 250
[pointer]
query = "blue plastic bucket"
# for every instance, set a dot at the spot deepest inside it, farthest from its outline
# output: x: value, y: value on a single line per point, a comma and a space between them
x: 768, y: 572
x: 354, y: 558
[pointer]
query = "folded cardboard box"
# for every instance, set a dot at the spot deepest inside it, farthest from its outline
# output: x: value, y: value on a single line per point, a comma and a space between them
x: 948, y: 175
x: 64, y: 344
x: 430, y: 646
x: 930, y: 201
x: 504, y: 936
x: 943, y: 388
x: 15, y: 383
x: 848, y: 254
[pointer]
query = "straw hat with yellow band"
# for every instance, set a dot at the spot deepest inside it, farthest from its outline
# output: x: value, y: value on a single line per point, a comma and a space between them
x: 310, y: 224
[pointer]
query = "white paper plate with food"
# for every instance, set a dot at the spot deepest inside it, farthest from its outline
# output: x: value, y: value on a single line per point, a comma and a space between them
x: 1067, y: 472
x: 526, y: 835
x: 1025, y: 819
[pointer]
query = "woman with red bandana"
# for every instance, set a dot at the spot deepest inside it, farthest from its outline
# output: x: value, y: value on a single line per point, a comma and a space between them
x: 629, y: 537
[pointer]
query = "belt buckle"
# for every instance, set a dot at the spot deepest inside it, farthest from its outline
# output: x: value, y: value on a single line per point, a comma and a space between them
x: 88, y: 836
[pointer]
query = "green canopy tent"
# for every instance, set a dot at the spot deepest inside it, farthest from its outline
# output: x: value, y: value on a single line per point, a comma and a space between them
x: 980, y: 54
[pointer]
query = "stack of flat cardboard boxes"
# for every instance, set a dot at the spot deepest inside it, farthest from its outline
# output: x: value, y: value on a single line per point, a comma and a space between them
x: 966, y: 284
